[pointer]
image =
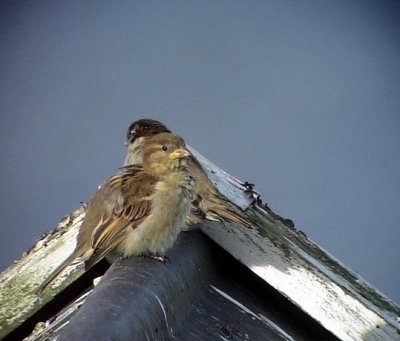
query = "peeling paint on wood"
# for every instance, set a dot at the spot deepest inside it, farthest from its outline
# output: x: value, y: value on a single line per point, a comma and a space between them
x: 18, y: 283
x: 284, y: 257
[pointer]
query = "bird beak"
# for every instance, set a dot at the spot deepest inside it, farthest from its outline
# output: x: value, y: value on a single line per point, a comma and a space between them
x: 180, y: 153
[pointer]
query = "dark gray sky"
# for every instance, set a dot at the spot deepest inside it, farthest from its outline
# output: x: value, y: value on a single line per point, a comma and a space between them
x: 301, y: 98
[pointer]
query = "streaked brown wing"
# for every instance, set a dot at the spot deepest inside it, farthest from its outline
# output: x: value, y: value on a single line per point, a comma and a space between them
x: 123, y: 202
x: 113, y: 233
x: 196, y: 215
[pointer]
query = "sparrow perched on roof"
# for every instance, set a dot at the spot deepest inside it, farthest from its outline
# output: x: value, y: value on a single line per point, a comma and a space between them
x: 208, y: 202
x: 140, y: 210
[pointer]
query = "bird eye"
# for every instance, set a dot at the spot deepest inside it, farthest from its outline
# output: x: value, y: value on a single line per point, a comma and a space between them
x: 164, y: 148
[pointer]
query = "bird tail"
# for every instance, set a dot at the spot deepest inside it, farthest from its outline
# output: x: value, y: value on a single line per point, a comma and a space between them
x: 227, y: 214
x: 56, y: 272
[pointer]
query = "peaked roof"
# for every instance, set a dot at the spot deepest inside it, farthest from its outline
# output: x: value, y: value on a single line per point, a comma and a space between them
x: 309, y: 280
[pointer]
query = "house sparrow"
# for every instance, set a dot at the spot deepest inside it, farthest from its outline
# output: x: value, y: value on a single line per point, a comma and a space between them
x: 208, y: 202
x: 140, y: 210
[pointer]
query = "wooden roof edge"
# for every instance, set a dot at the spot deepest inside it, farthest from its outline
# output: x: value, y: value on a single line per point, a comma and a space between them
x: 284, y: 257
x: 319, y: 284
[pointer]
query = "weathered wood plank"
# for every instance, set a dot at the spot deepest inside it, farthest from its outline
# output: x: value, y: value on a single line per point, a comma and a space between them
x: 307, y: 275
x: 321, y: 286
x: 18, y: 283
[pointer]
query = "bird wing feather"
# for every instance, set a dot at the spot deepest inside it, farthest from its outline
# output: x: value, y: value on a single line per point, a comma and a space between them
x: 126, y: 200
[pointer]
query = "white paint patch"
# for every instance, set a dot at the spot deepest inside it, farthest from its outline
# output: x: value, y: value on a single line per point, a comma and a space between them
x: 308, y: 287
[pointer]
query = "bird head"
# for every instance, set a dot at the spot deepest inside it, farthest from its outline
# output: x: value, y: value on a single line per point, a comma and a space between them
x: 144, y: 128
x: 163, y: 153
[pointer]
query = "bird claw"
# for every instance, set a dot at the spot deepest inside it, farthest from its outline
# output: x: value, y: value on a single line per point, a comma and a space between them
x: 162, y: 259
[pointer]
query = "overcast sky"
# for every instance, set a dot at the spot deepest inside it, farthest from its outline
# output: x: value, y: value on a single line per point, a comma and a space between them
x: 301, y: 98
